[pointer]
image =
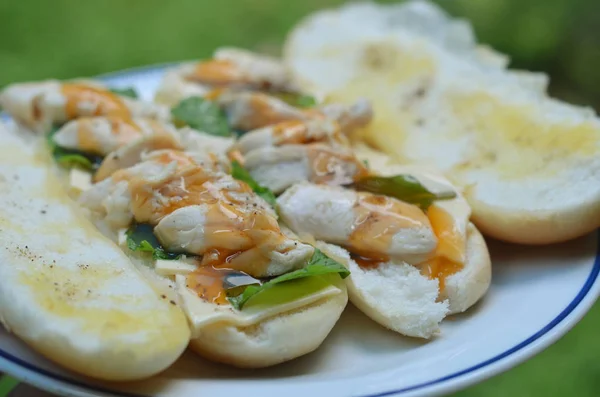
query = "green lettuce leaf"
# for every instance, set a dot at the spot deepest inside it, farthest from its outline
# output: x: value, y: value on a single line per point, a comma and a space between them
x: 70, y: 158
x: 403, y: 187
x: 202, y: 115
x: 296, y: 99
x: 240, y: 173
x: 128, y: 92
x: 141, y: 238
x: 318, y: 265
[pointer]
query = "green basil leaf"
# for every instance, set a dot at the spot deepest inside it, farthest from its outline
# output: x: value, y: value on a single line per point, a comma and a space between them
x: 141, y: 238
x: 202, y: 115
x: 240, y: 173
x: 70, y: 158
x: 128, y: 92
x: 403, y: 187
x: 296, y: 99
x: 318, y: 265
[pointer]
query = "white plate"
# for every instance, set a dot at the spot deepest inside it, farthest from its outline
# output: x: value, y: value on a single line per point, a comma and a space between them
x: 537, y: 295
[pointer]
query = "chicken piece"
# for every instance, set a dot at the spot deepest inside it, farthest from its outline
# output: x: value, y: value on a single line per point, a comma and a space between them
x: 186, y: 139
x: 102, y: 135
x: 248, y: 111
x: 235, y: 67
x: 349, y: 118
x: 370, y: 226
x: 109, y: 201
x: 197, y: 209
x: 39, y: 105
x: 293, y: 132
x: 280, y: 167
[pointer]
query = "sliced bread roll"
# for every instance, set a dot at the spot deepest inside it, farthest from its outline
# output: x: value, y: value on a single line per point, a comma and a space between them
x: 66, y: 290
x: 466, y: 287
x: 529, y: 165
x: 265, y: 335
x: 399, y: 297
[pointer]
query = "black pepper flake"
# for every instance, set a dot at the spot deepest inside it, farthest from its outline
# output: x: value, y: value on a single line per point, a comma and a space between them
x: 172, y: 302
x: 163, y: 296
x: 43, y: 211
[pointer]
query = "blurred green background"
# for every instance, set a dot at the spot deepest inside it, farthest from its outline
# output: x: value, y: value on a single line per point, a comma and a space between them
x: 68, y: 38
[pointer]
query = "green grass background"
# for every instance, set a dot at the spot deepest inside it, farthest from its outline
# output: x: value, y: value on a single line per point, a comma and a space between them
x: 68, y: 38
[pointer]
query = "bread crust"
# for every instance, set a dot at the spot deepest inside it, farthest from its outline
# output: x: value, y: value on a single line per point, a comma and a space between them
x: 274, y: 340
x: 90, y: 312
x: 462, y: 290
x: 528, y: 163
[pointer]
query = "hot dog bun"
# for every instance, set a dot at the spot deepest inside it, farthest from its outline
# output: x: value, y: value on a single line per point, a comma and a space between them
x: 529, y: 165
x: 258, y: 337
x: 400, y: 298
x: 466, y: 287
x: 397, y: 295
x: 65, y: 289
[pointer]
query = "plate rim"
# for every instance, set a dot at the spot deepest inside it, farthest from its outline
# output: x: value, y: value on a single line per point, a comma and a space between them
x: 566, y: 319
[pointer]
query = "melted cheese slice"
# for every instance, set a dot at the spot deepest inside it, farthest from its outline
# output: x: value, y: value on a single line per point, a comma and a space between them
x: 174, y: 267
x: 202, y: 314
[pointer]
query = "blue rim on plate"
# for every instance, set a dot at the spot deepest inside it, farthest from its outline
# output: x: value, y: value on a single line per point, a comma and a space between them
x: 585, y: 289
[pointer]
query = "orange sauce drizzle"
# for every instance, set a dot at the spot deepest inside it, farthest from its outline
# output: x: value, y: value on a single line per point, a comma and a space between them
x: 450, y: 251
x: 297, y: 132
x: 262, y: 111
x: 124, y: 130
x: 105, y: 103
x: 217, y: 72
x: 242, y: 234
x: 211, y: 283
x: 378, y: 219
x: 334, y: 167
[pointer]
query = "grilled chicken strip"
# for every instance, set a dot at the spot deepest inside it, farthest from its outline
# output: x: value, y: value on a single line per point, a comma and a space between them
x: 370, y: 226
x: 242, y: 68
x: 41, y: 104
x: 249, y: 110
x: 102, y: 135
x: 280, y: 167
x: 198, y: 209
x: 293, y: 132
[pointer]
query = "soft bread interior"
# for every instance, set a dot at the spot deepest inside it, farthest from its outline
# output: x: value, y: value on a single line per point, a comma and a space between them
x: 65, y: 289
x: 273, y: 340
x: 399, y: 297
x: 395, y: 295
x: 378, y: 292
x: 466, y: 287
x: 530, y: 165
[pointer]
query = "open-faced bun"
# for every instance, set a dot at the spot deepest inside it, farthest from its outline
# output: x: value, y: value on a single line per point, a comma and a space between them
x: 263, y: 338
x: 399, y: 297
x: 272, y: 341
x: 66, y: 290
x: 466, y: 287
x: 529, y: 164
x: 396, y: 295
